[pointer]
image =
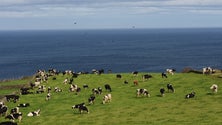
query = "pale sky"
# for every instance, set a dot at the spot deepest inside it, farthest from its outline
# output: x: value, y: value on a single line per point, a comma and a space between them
x: 99, y: 14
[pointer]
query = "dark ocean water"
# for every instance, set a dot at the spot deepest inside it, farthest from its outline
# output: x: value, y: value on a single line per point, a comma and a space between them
x: 22, y: 53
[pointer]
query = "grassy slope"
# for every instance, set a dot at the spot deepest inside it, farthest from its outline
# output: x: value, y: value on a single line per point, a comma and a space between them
x: 125, y: 108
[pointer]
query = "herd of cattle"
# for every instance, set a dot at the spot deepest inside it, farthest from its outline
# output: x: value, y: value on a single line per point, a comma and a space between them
x: 42, y: 76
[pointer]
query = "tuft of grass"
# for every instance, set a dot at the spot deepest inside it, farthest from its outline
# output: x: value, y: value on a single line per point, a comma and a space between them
x: 125, y: 108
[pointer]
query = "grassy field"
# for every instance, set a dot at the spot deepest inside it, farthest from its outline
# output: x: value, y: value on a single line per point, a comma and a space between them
x: 125, y: 108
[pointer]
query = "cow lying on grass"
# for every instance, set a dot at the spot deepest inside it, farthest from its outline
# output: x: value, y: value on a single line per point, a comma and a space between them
x: 34, y: 113
x: 81, y: 107
x: 191, y: 95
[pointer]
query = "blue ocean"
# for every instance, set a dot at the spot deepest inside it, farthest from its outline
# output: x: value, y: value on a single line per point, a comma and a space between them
x: 23, y: 52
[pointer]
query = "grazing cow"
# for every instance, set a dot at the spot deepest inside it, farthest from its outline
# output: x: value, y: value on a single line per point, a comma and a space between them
x: 91, y: 99
x: 15, y: 110
x: 85, y: 86
x: 207, y: 70
x: 135, y: 73
x: 34, y: 113
x: 15, y: 98
x: 3, y: 109
x: 100, y: 90
x: 107, y: 98
x: 95, y: 91
x: 73, y: 88
x: 135, y: 82
x: 108, y: 88
x: 142, y: 92
x: 146, y: 76
x: 24, y: 105
x: 65, y: 81
x: 25, y: 91
x: 214, y: 88
x: 171, y: 71
x: 162, y: 91
x: 81, y: 107
x: 14, y: 116
x: 57, y: 89
x: 48, y: 96
x: 126, y: 82
x: 164, y: 75
x: 191, y: 95
x: 170, y: 88
x: 118, y: 76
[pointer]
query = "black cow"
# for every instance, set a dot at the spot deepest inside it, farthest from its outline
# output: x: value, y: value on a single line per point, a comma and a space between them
x: 170, y: 87
x: 118, y: 76
x: 15, y: 98
x: 146, y: 76
x: 191, y: 95
x: 162, y: 91
x: 107, y: 87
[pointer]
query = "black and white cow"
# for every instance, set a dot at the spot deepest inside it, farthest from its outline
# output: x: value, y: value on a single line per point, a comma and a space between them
x: 162, y: 91
x: 170, y: 88
x: 57, y: 89
x: 15, y: 110
x: 85, y: 86
x: 108, y: 88
x: 15, y: 98
x: 171, y: 71
x: 3, y: 109
x: 34, y: 113
x: 142, y: 92
x: 81, y: 107
x: 24, y: 105
x: 91, y: 99
x: 164, y: 75
x: 146, y: 77
x: 14, y: 116
x: 48, y: 97
x: 135, y: 73
x: 191, y: 95
x: 95, y: 91
x: 214, y: 88
x: 207, y: 70
x: 107, y: 98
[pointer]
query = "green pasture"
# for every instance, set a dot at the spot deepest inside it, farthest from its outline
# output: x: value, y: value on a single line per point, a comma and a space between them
x: 125, y: 108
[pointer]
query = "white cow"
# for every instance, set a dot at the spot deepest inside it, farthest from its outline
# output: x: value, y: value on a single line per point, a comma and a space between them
x: 171, y: 71
x: 214, y: 88
x: 107, y: 98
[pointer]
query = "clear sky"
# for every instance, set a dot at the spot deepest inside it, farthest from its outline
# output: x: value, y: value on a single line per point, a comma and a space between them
x: 99, y: 14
